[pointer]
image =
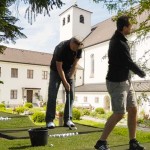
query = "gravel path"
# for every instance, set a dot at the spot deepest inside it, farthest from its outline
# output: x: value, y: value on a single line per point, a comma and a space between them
x: 123, y: 122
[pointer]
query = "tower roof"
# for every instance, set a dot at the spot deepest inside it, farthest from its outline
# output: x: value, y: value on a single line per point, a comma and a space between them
x: 75, y: 6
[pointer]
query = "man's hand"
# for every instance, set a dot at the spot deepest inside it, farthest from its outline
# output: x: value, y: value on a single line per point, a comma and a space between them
x: 67, y: 86
x: 142, y: 74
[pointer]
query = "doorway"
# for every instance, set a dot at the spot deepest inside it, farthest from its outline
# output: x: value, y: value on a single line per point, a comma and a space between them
x: 29, y: 96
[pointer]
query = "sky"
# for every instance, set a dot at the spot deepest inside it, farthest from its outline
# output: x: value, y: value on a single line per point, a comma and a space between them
x: 43, y: 34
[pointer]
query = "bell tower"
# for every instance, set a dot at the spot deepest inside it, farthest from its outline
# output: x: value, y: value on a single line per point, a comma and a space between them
x: 75, y: 21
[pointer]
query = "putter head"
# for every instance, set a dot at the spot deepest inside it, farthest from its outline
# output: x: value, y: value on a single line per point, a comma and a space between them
x: 72, y: 128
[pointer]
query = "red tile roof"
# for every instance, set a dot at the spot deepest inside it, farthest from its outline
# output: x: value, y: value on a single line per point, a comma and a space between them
x: 26, y: 57
x: 139, y: 86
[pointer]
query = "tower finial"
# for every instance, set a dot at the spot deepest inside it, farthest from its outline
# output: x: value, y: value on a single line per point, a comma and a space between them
x: 75, y: 3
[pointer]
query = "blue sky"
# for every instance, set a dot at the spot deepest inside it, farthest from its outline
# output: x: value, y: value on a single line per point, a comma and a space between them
x: 43, y: 34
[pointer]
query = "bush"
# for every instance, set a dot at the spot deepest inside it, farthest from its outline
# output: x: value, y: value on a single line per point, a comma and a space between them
x: 76, y: 114
x: 2, y: 106
x: 28, y: 105
x: 38, y: 117
x: 86, y: 112
x: 93, y: 114
x: 100, y: 110
x: 19, y: 110
x: 60, y: 107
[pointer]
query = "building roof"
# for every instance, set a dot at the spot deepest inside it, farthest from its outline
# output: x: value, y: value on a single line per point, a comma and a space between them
x: 14, y: 55
x: 97, y: 87
x: 100, y: 33
x: 26, y: 57
x: 104, y: 30
x: 139, y: 86
x: 142, y: 86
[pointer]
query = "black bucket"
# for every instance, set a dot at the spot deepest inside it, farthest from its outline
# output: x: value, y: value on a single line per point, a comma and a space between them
x: 38, y: 136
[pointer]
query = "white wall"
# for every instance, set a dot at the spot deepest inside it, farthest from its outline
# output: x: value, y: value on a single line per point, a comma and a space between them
x: 79, y: 78
x: 22, y: 81
x: 66, y: 31
x: 141, y: 46
x: 100, y: 64
x: 81, y: 29
x: 90, y: 98
x: 74, y: 27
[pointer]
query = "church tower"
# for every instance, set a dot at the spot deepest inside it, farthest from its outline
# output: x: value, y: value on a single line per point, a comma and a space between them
x: 76, y: 22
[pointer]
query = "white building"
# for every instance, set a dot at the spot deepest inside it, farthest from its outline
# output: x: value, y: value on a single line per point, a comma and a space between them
x: 25, y: 75
x: 93, y: 91
x: 90, y: 78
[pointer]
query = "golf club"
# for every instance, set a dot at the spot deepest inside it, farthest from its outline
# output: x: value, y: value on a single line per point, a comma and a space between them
x: 70, y: 127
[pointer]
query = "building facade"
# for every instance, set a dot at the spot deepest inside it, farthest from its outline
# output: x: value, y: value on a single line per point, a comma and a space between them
x: 27, y: 73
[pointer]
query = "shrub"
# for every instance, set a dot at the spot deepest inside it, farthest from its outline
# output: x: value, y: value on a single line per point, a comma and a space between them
x: 100, y: 110
x: 28, y: 105
x: 44, y: 108
x: 76, y: 114
x: 2, y: 106
x: 93, y: 114
x: 60, y: 107
x: 86, y: 112
x: 19, y: 110
x: 140, y: 121
x: 38, y: 117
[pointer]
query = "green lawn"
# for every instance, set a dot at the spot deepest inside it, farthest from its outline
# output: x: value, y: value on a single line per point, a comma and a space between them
x: 18, y: 126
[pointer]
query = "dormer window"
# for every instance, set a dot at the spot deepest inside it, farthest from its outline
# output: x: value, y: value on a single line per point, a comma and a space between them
x: 81, y: 19
x: 68, y: 18
x: 63, y: 21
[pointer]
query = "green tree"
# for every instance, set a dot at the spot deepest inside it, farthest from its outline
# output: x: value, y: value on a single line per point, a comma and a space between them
x: 133, y: 8
x: 9, y: 32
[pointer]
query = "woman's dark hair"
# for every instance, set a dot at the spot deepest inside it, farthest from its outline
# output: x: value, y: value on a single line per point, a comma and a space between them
x: 122, y: 21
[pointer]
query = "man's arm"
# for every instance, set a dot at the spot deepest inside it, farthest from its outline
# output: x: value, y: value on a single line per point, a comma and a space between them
x: 129, y: 62
x: 73, y: 69
x: 62, y: 75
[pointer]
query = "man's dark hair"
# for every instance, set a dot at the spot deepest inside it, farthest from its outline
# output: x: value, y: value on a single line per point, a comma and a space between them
x: 122, y: 21
x: 76, y: 41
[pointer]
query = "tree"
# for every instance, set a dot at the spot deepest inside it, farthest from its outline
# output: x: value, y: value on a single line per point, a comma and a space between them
x: 9, y: 32
x: 133, y: 8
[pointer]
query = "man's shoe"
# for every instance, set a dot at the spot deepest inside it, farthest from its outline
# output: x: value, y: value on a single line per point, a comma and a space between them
x: 50, y: 125
x: 101, y: 145
x: 69, y: 123
x: 135, y: 145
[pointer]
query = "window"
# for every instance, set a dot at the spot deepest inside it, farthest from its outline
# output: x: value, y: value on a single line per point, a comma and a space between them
x: 96, y: 99
x: 63, y: 21
x: 0, y: 71
x: 85, y: 99
x: 92, y: 66
x: 30, y: 74
x: 68, y: 18
x: 13, y: 94
x: 44, y: 75
x: 81, y: 19
x: 14, y: 72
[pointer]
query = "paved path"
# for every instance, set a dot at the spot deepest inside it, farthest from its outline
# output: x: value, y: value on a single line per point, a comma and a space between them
x: 123, y: 122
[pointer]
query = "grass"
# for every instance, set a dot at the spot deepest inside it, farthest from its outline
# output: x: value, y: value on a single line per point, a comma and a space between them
x: 118, y: 139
